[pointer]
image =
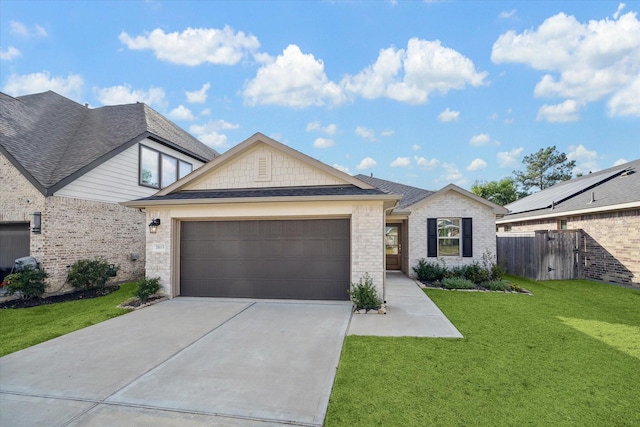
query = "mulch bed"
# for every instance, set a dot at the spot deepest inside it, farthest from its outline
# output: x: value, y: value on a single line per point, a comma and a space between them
x: 477, y: 288
x: 71, y: 296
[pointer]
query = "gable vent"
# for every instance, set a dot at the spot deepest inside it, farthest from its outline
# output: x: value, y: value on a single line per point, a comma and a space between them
x: 263, y: 167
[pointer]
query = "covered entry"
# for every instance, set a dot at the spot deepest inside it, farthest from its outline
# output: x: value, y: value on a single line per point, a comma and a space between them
x: 14, y: 243
x: 295, y: 259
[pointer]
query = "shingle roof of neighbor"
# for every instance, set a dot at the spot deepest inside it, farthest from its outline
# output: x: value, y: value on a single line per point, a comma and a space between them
x: 410, y: 195
x: 613, y: 186
x: 54, y: 139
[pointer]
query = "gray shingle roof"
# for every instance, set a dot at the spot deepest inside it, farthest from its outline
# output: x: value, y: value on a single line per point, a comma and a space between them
x: 410, y: 195
x: 53, y: 139
x: 309, y: 191
x: 613, y: 186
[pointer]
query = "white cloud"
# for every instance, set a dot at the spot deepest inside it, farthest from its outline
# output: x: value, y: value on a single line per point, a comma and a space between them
x: 401, y: 162
x: 198, y: 96
x: 506, y: 14
x: 26, y: 84
x: 208, y: 133
x: 452, y: 174
x: 477, y: 164
x: 181, y: 113
x: 415, y: 147
x: 480, y: 139
x: 585, y: 61
x: 9, y: 54
x: 426, y: 164
x: 566, y: 111
x: 620, y: 162
x: 585, y: 159
x: 449, y: 116
x: 366, y: 133
x: 626, y: 102
x: 617, y: 12
x: 342, y: 168
x: 22, y: 30
x: 195, y: 46
x: 295, y: 80
x: 366, y: 163
x: 509, y: 159
x: 411, y: 75
x: 315, y: 126
x: 323, y: 143
x: 124, y: 94
x: 387, y: 133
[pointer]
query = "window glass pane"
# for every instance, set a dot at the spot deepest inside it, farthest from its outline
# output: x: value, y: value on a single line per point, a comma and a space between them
x: 149, y: 167
x: 169, y: 170
x: 185, y: 169
x: 448, y: 227
x: 448, y: 247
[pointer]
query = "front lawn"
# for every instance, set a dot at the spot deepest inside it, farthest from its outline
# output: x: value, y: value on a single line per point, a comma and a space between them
x: 23, y: 327
x: 568, y: 355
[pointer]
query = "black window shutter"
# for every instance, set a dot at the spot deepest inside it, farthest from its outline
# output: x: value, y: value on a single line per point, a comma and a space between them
x: 467, y: 237
x: 432, y: 237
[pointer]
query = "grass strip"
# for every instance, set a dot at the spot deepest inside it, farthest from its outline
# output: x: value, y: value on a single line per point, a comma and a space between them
x: 23, y: 327
x: 566, y: 356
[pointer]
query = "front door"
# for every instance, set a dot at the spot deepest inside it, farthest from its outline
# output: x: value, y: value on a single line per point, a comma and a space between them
x: 393, y: 246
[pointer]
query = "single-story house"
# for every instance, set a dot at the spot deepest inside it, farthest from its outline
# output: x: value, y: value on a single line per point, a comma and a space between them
x: 64, y: 169
x: 605, y: 205
x: 263, y: 220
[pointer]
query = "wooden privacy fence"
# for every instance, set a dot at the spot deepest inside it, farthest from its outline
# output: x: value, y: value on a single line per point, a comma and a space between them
x: 541, y: 255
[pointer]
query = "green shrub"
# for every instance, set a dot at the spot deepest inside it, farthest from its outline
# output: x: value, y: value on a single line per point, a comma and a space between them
x: 364, y: 294
x: 430, y: 271
x: 497, y: 285
x: 458, y: 283
x: 147, y: 287
x: 91, y: 274
x: 476, y: 273
x: 29, y: 283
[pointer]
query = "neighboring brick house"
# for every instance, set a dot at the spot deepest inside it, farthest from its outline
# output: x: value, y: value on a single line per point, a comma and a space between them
x: 605, y: 205
x: 266, y: 221
x: 65, y: 167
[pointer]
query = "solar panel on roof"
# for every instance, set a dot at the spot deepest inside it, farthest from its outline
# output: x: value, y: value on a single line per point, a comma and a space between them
x: 557, y: 193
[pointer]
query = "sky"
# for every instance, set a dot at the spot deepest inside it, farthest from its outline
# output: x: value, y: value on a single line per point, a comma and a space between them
x: 424, y: 93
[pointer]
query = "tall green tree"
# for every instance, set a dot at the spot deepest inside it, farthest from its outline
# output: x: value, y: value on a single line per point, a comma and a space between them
x: 544, y: 169
x: 500, y: 192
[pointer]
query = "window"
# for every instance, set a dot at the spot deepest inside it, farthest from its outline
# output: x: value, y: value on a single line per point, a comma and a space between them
x: 449, y: 237
x: 562, y: 224
x: 159, y: 170
x: 507, y: 227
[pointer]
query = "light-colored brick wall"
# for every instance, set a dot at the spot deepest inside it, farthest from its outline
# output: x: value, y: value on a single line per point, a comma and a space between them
x: 285, y: 171
x: 452, y: 205
x: 367, y: 243
x: 73, y: 229
x: 611, y: 243
x: 159, y: 259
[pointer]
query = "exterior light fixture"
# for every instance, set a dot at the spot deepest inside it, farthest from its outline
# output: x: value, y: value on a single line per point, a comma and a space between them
x: 37, y: 223
x: 153, y: 225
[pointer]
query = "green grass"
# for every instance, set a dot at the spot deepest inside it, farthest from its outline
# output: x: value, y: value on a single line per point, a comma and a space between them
x: 23, y: 327
x: 567, y: 356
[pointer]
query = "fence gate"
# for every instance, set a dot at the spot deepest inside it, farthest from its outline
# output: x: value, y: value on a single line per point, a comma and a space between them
x: 541, y: 255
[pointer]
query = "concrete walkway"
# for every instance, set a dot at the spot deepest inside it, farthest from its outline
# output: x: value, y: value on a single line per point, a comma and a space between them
x: 203, y: 361
x: 410, y: 313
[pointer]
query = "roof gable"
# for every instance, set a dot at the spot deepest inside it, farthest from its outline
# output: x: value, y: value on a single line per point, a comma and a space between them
x: 497, y: 209
x: 410, y: 195
x: 53, y: 140
x: 261, y: 162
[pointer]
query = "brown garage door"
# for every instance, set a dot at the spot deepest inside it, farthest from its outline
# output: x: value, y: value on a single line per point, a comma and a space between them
x: 298, y: 259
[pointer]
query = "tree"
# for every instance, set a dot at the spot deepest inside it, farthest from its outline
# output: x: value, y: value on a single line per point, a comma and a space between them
x: 544, y: 169
x: 500, y: 192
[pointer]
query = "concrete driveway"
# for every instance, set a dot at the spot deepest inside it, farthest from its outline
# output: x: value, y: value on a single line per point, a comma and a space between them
x: 186, y: 362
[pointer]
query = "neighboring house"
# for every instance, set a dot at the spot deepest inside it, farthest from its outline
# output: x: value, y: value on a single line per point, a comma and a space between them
x: 64, y: 168
x: 605, y: 205
x: 266, y: 221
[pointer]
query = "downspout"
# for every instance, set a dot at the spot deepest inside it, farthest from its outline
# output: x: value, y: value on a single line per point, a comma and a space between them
x: 384, y: 254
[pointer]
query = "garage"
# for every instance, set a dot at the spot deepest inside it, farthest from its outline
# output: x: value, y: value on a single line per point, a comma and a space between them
x: 284, y: 259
